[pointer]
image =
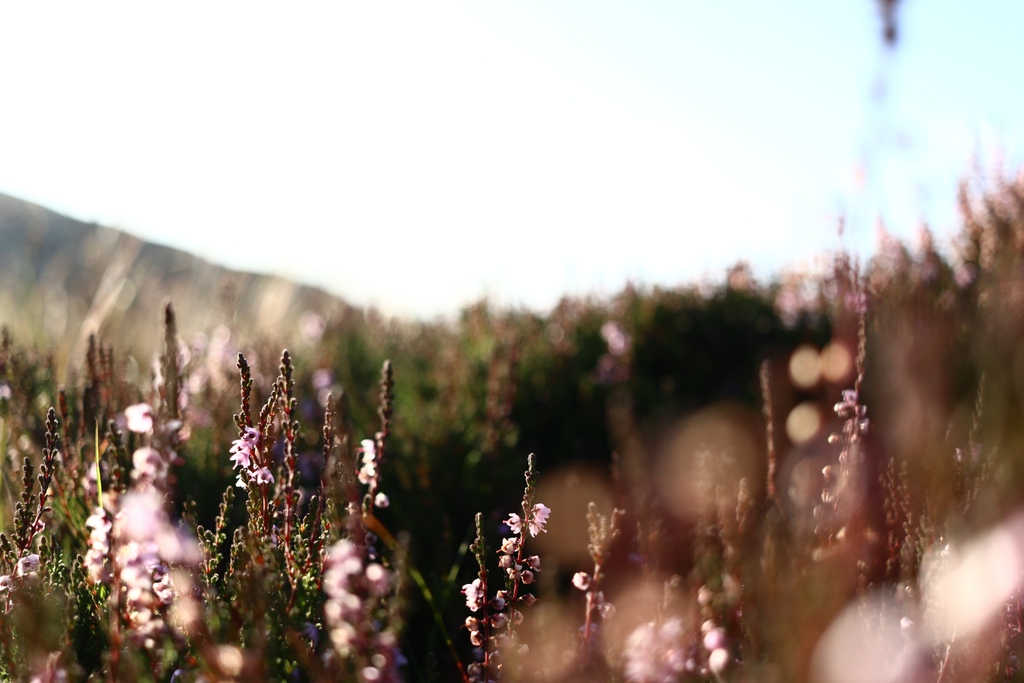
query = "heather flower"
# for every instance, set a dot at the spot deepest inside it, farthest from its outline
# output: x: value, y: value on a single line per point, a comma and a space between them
x: 263, y: 476
x: 515, y: 524
x: 349, y: 589
x: 718, y: 660
x: 368, y: 470
x: 474, y: 595
x: 149, y: 465
x: 714, y: 639
x: 28, y: 565
x: 539, y: 518
x: 139, y: 417
x: 381, y: 500
x: 99, y: 546
x: 243, y: 449
x: 581, y: 580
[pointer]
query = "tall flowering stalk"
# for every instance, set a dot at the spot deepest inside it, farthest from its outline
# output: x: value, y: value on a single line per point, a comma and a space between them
x: 250, y: 457
x: 503, y: 612
x: 853, y: 412
x: 602, y: 531
x: 134, y: 549
x: 355, y: 581
x: 356, y: 589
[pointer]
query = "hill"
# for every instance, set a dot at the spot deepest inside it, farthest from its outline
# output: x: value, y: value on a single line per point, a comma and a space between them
x: 62, y: 279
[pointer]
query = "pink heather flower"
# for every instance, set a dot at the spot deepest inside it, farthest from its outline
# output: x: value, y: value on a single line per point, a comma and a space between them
x: 474, y: 595
x: 510, y: 546
x: 244, y: 448
x: 148, y: 464
x: 263, y: 476
x: 714, y: 639
x: 142, y: 516
x: 381, y: 501
x: 515, y: 524
x: 581, y: 580
x: 368, y: 470
x: 539, y: 518
x: 140, y: 417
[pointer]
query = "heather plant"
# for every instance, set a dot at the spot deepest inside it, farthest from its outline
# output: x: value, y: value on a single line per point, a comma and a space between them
x: 814, y: 479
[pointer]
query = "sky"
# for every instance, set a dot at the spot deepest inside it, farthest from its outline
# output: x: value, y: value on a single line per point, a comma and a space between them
x: 418, y: 156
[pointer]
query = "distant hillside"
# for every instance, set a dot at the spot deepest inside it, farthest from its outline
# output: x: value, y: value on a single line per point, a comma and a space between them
x: 62, y: 279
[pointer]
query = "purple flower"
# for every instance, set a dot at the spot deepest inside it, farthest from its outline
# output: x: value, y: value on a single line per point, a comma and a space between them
x: 263, y: 476
x: 243, y: 448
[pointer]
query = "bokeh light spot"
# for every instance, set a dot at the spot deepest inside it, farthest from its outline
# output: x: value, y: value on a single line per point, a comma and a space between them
x: 803, y: 422
x: 804, y: 367
x: 836, y: 362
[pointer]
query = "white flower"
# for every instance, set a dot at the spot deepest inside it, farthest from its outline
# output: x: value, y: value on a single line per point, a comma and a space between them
x: 581, y: 580
x: 28, y: 564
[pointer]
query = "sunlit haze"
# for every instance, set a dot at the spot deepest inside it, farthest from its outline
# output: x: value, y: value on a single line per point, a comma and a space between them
x: 418, y: 156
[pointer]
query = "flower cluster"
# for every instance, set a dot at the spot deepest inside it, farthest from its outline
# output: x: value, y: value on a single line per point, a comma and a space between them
x: 853, y: 412
x: 538, y: 518
x: 716, y: 644
x: 151, y: 464
x: 352, y: 587
x: 27, y: 570
x: 97, y: 557
x: 145, y: 545
x: 500, y: 612
x: 245, y: 454
x: 369, y: 474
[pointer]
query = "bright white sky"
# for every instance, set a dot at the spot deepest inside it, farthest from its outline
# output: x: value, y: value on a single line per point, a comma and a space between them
x: 419, y: 155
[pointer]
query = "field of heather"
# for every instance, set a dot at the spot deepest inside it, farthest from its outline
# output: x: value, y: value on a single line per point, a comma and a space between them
x: 818, y: 478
